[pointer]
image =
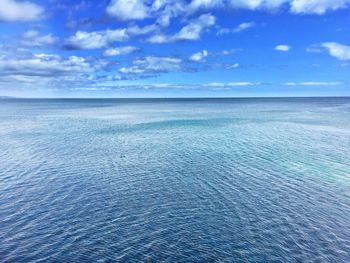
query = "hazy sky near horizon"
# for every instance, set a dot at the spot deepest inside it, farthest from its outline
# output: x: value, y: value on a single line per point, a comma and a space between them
x: 174, y: 48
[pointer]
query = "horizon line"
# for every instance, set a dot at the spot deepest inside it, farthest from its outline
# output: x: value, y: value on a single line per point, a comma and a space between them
x: 153, y: 98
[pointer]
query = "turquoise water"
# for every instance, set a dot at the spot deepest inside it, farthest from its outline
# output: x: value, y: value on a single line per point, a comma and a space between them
x: 210, y: 180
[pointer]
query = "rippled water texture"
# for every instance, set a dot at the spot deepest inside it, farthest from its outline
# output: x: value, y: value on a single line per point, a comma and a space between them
x: 234, y: 180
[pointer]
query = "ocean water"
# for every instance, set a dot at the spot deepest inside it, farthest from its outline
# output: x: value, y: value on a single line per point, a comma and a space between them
x: 196, y: 180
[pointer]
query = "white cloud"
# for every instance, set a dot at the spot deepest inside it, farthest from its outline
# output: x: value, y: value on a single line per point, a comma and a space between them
x: 191, y: 31
x: 33, y: 38
x: 313, y: 83
x: 283, y: 48
x: 103, y: 38
x: 317, y: 6
x: 195, y: 28
x: 136, y: 30
x: 168, y: 9
x: 241, y: 27
x: 244, y: 26
x: 200, y: 56
x: 233, y: 84
x: 22, y: 70
x: 159, y: 39
x: 44, y: 65
x: 165, y: 10
x: 128, y: 9
x: 224, y: 31
x: 97, y: 39
x: 132, y: 70
x: 256, y: 4
x: 19, y: 11
x: 227, y: 52
x: 340, y: 51
x: 149, y: 65
x: 236, y: 65
x: 120, y: 51
x: 158, y: 4
x: 296, y: 6
x: 205, y: 4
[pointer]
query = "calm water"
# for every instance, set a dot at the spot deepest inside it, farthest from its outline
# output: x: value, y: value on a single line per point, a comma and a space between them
x: 234, y: 180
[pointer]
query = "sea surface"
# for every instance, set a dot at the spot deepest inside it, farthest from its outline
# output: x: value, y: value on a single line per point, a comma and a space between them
x: 175, y: 180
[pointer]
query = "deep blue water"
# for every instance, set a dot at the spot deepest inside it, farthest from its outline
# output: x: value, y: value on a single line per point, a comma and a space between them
x: 196, y: 180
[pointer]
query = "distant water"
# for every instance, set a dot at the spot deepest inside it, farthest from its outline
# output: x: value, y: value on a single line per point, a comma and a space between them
x: 197, y: 180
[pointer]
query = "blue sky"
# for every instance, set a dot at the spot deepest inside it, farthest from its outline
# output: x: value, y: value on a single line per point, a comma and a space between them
x: 168, y: 48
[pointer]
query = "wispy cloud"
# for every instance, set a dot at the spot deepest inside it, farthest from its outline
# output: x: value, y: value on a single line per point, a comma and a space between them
x: 233, y: 84
x: 241, y: 27
x: 148, y: 65
x: 33, y: 38
x: 314, y: 83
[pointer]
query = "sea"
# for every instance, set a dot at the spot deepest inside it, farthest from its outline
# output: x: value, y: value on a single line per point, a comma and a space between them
x: 175, y: 180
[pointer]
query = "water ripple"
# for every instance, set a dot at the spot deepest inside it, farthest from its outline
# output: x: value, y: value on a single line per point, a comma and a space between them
x: 111, y: 181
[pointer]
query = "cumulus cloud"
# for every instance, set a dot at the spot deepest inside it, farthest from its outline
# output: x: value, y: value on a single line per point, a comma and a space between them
x: 339, y: 51
x: 44, y: 65
x: 103, y: 38
x: 97, y: 39
x: 20, y: 69
x: 19, y: 11
x: 296, y: 6
x: 200, y: 56
x: 195, y: 28
x: 33, y: 38
x: 191, y: 31
x: 119, y: 51
x: 317, y: 6
x: 165, y: 10
x: 149, y: 65
x: 283, y: 48
x: 128, y: 9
